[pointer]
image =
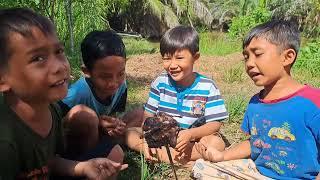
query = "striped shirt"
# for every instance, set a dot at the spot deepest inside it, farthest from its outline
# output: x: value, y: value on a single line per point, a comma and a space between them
x: 200, y: 101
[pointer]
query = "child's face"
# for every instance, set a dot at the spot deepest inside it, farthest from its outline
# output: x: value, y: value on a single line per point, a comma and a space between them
x: 264, y: 62
x: 38, y: 70
x: 107, y: 75
x: 180, y: 66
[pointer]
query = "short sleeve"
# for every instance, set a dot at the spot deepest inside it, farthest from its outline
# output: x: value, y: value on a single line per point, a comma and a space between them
x: 154, y: 98
x: 78, y: 93
x: 314, y: 126
x: 215, y: 109
x: 245, y: 123
x: 9, y: 161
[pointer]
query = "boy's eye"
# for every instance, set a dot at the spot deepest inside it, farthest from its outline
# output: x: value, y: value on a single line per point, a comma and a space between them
x: 180, y: 57
x: 60, y: 51
x: 38, y: 58
x: 245, y: 57
x: 166, y: 58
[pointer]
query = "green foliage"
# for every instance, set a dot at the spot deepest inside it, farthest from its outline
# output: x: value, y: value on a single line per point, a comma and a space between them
x: 242, y: 24
x: 116, y: 6
x: 234, y: 74
x: 140, y: 46
x: 236, y: 106
x: 309, y: 58
x: 213, y: 43
x: 306, y: 12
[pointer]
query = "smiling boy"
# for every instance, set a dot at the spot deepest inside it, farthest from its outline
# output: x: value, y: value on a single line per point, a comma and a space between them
x: 186, y: 95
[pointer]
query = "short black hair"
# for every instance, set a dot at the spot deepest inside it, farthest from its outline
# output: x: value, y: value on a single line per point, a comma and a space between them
x: 178, y: 38
x: 100, y: 44
x: 19, y: 20
x: 282, y: 33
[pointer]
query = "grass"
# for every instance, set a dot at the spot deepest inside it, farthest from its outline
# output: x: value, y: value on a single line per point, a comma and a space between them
x: 217, y: 44
x: 234, y: 74
x: 140, y: 46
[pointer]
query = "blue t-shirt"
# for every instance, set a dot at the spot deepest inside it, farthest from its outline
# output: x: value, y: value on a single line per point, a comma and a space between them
x: 81, y: 92
x: 199, y: 103
x: 285, y: 134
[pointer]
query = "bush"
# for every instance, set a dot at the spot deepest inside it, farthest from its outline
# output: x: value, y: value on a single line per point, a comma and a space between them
x: 242, y: 24
x: 309, y: 58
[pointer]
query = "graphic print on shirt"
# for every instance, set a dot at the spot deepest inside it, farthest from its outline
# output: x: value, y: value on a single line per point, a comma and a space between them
x: 282, y: 133
x: 198, y: 107
x: 274, y: 147
x: 285, y: 137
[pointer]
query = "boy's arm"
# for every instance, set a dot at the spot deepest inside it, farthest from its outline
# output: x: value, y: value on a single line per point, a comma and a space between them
x: 204, y: 130
x: 239, y: 151
x: 93, y: 168
x: 185, y: 136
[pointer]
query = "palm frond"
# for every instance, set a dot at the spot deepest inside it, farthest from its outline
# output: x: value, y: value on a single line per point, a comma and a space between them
x: 201, y: 11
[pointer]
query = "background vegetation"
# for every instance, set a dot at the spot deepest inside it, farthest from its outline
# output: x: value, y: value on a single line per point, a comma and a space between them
x: 221, y: 23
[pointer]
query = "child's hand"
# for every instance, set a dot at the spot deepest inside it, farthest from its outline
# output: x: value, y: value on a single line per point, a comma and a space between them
x: 100, y: 168
x: 183, y: 140
x: 210, y: 153
x: 112, y: 126
x: 149, y: 153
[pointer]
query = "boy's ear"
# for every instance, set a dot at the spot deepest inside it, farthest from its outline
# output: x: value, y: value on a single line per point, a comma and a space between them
x: 4, y: 86
x: 289, y: 57
x: 196, y: 56
x: 85, y: 71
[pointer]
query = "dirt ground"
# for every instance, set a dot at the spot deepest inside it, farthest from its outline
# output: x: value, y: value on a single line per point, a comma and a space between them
x: 142, y: 69
x: 146, y: 67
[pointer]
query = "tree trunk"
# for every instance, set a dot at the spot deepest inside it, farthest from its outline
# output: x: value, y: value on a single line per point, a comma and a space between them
x: 68, y: 7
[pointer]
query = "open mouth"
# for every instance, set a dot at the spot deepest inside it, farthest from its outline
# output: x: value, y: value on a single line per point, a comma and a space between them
x: 174, y: 73
x: 254, y: 74
x: 59, y: 83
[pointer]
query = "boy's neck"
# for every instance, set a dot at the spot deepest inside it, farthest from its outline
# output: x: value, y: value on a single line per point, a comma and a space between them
x: 188, y: 81
x: 36, y: 116
x: 282, y: 88
x: 27, y: 111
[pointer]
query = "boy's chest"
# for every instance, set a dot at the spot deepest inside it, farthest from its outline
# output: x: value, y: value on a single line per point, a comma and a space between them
x: 191, y: 103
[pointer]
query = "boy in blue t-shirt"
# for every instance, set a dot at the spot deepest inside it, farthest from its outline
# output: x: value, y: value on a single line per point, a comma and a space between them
x: 282, y: 119
x: 189, y: 97
x: 93, y: 100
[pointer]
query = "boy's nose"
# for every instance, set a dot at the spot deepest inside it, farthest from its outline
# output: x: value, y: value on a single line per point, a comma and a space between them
x: 173, y: 65
x: 249, y: 62
x: 113, y: 83
x: 60, y: 66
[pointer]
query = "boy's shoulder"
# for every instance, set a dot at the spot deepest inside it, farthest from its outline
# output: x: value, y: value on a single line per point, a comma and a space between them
x: 304, y: 95
x: 200, y: 81
x: 311, y: 93
x: 206, y: 80
x: 7, y: 123
x: 80, y: 87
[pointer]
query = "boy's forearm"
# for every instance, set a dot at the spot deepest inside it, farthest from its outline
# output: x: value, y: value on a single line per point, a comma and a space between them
x: 239, y: 151
x: 205, y: 130
x: 64, y: 167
